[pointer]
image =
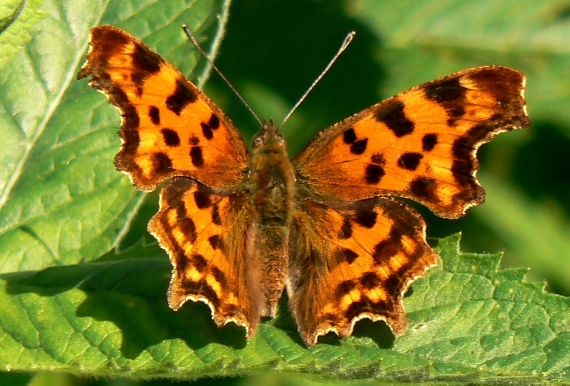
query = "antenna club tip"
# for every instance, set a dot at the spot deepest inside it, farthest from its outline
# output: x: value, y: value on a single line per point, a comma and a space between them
x: 348, y: 39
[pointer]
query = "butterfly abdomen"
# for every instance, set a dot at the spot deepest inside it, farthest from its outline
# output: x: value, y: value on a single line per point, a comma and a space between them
x: 272, y: 188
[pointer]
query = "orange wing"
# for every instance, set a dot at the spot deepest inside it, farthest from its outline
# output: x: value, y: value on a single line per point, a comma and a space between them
x: 204, y: 235
x: 420, y: 144
x: 352, y: 262
x: 169, y: 127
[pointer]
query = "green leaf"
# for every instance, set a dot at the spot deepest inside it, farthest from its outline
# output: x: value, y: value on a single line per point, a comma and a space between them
x: 17, y: 19
x: 468, y: 321
x: 61, y: 199
x: 488, y: 320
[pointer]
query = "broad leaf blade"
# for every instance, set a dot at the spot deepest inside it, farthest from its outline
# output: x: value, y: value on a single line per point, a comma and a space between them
x: 468, y: 321
x: 488, y: 320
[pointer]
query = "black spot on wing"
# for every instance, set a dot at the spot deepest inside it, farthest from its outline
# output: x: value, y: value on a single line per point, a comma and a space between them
x: 346, y: 229
x: 410, y: 161
x: 199, y: 262
x: 393, y: 116
x: 170, y: 137
x: 145, y: 61
x: 349, y: 255
x: 202, y: 199
x: 181, y: 97
x: 194, y: 140
x: 214, y: 122
x: 373, y: 174
x: 206, y: 131
x: 161, y: 163
x: 344, y: 288
x: 446, y: 91
x: 154, y: 114
x: 366, y: 217
x: 214, y: 241
x: 349, y: 136
x: 219, y: 276
x: 359, y: 146
x: 429, y: 141
x: 370, y: 280
x: 450, y: 94
x: 196, y: 156
x: 388, y: 247
x: 378, y: 159
x: 424, y: 188
x: 188, y: 228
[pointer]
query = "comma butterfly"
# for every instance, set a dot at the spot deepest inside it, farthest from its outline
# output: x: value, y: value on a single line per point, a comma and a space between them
x: 240, y: 228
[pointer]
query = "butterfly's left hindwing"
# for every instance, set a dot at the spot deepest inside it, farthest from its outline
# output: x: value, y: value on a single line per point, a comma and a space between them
x: 354, y: 262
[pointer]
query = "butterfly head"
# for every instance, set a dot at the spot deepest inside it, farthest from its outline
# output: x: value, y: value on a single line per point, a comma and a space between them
x: 268, y: 141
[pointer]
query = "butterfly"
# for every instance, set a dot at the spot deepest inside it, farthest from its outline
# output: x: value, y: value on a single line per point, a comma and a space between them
x: 241, y: 227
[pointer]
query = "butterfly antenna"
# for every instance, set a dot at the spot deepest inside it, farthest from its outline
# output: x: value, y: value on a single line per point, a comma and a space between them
x: 347, y: 40
x: 195, y: 42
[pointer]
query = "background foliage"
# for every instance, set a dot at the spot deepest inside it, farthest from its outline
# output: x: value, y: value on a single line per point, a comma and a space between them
x: 271, y: 52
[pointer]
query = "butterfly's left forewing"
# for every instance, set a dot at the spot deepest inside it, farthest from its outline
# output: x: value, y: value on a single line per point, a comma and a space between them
x: 420, y: 144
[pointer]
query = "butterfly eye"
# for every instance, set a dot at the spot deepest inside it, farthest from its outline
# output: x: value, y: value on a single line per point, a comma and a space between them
x: 280, y: 140
x: 257, y: 140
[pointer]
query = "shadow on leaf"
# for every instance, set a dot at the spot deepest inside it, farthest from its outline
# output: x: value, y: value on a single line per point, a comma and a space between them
x: 131, y: 295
